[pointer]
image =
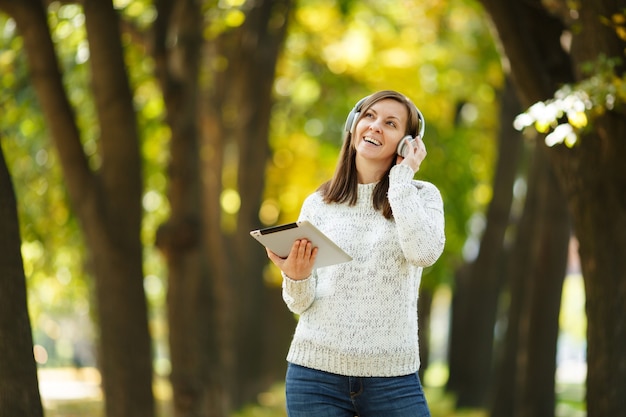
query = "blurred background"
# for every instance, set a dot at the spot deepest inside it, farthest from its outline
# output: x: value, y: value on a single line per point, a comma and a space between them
x: 144, y: 140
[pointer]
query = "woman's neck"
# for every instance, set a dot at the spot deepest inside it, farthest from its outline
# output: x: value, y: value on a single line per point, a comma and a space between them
x: 369, y: 171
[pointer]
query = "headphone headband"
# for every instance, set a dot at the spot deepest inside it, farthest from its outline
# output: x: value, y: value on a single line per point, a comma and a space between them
x: 354, y: 114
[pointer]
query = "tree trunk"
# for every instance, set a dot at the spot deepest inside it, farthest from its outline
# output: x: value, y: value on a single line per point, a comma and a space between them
x: 458, y: 334
x: 592, y: 175
x: 536, y: 359
x: 109, y: 204
x: 424, y: 308
x: 600, y: 224
x: 236, y: 122
x: 518, y: 270
x: 215, y: 269
x: 595, y: 179
x: 19, y: 390
x: 525, y: 383
x: 472, y: 371
x: 189, y: 302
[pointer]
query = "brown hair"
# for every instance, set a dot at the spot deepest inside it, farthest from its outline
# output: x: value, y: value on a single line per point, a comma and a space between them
x: 343, y: 186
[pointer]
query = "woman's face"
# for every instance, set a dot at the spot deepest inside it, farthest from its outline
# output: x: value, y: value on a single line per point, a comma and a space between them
x: 378, y: 132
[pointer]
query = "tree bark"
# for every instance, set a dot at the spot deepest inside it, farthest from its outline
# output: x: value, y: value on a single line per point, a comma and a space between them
x: 236, y: 122
x: 525, y: 376
x: 108, y: 204
x: 113, y: 230
x: 219, y: 120
x: 518, y: 270
x: 19, y: 389
x: 180, y: 239
x: 482, y: 281
x: 592, y: 175
x: 600, y: 225
x: 424, y: 308
x: 536, y: 359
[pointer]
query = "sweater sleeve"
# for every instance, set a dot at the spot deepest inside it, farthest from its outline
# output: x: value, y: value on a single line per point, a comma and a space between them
x: 417, y: 209
x: 300, y: 294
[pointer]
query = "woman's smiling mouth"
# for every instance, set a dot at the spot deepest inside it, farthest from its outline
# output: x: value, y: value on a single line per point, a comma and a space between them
x: 371, y: 140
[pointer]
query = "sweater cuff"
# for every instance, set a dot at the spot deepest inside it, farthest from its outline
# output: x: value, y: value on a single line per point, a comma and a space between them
x: 297, y: 286
x: 298, y: 295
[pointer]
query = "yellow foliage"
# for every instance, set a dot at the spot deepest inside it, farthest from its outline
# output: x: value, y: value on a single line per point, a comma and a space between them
x: 618, y: 18
x: 542, y: 126
x: 577, y: 119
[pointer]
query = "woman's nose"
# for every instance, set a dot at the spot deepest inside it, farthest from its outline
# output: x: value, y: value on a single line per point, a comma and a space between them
x: 375, y: 125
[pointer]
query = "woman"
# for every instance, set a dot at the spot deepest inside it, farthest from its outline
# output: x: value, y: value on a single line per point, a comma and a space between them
x: 355, y: 348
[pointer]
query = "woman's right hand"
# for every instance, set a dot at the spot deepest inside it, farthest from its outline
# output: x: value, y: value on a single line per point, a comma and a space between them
x: 298, y: 265
x: 416, y: 152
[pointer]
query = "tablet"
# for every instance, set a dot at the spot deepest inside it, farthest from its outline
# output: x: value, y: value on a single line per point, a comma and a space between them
x: 279, y: 239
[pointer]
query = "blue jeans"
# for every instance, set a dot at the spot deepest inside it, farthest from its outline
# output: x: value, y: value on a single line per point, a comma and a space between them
x: 312, y: 393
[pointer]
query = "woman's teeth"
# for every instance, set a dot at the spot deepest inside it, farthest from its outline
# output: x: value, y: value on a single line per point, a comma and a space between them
x: 372, y: 141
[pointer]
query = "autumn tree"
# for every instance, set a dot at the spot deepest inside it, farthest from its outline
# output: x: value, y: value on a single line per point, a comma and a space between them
x: 523, y: 278
x: 107, y: 198
x: 218, y: 96
x: 548, y: 45
x: 19, y: 391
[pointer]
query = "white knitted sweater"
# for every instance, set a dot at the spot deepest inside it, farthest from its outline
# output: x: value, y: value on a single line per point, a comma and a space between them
x: 360, y: 318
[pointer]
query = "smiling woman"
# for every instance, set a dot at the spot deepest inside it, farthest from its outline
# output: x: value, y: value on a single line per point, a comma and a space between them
x: 393, y: 227
x: 342, y: 187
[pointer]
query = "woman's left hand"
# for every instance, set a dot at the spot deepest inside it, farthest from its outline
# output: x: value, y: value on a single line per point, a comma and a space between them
x: 298, y: 265
x: 415, y: 155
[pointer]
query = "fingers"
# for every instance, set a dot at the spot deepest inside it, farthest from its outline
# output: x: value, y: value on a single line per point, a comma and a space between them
x: 299, y: 263
x: 415, y: 155
x: 422, y: 145
x: 301, y: 249
x: 419, y: 146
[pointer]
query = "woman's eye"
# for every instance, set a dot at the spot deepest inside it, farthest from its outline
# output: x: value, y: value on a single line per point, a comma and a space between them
x: 392, y: 124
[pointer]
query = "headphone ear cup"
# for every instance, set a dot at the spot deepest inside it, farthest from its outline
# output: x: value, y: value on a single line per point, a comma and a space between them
x: 351, y: 120
x: 422, y: 124
x: 403, y: 148
x: 353, y: 116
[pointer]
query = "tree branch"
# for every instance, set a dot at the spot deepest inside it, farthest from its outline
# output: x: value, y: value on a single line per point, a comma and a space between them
x: 30, y: 17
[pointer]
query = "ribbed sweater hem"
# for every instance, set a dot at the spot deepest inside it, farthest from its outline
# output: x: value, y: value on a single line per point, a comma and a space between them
x: 349, y: 364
